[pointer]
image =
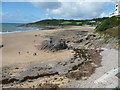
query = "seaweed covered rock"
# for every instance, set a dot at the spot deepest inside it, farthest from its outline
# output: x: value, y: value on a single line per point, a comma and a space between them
x: 54, y: 44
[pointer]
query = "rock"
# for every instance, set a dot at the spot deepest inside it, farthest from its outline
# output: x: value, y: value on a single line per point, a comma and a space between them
x: 70, y: 46
x: 36, y: 35
x: 84, y: 78
x: 90, y: 36
x: 1, y: 46
x: 86, y: 38
x: 67, y: 41
x: 87, y: 43
x: 79, y: 41
x: 54, y: 44
x: 34, y: 54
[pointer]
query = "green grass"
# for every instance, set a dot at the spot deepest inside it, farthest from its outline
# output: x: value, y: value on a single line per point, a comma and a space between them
x: 110, y: 28
x: 106, y: 39
x: 117, y: 88
x: 78, y: 23
x: 112, y: 32
x: 66, y: 22
x: 58, y: 22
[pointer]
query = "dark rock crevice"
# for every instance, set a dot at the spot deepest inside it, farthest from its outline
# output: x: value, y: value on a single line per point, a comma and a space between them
x: 38, y: 76
x: 12, y: 80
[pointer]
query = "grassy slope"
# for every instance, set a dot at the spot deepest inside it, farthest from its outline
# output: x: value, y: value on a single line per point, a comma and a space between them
x: 110, y: 28
x: 112, y: 32
x: 67, y: 22
x: 108, y: 23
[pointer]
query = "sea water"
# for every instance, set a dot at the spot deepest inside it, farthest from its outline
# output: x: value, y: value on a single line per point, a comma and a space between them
x: 6, y: 28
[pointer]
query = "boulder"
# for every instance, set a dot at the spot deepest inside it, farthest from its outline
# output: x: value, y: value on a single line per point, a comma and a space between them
x: 54, y: 44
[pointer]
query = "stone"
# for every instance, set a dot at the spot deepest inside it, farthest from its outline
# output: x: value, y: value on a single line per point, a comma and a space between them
x: 1, y: 46
x: 54, y: 44
x: 34, y: 54
x: 90, y: 36
x: 79, y: 41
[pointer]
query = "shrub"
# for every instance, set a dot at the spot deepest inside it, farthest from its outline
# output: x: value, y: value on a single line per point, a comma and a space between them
x: 108, y: 23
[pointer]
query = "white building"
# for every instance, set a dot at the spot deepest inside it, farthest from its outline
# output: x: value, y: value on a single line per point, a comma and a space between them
x: 117, y: 10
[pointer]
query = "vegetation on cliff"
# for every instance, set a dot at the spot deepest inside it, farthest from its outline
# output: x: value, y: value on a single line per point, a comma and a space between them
x: 110, y: 28
x: 108, y: 23
x: 55, y: 22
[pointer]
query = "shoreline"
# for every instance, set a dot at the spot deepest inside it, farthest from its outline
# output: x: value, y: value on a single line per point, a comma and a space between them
x: 42, y: 28
x: 2, y: 33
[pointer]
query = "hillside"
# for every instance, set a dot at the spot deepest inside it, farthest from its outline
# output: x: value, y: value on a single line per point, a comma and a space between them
x: 56, y: 22
x: 108, y: 23
x: 110, y: 28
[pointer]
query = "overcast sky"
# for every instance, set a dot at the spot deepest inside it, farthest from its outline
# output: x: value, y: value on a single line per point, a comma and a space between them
x: 24, y: 12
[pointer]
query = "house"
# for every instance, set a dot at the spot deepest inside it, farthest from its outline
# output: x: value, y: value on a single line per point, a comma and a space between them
x: 92, y: 21
x: 117, y: 10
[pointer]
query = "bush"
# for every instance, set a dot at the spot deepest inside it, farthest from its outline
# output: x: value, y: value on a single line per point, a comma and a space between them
x: 108, y: 23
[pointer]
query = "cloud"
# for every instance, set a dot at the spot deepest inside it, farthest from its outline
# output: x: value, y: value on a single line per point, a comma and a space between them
x: 69, y: 10
x: 58, y: 0
x: 1, y: 13
x: 104, y: 14
x: 47, y: 5
x: 79, y: 10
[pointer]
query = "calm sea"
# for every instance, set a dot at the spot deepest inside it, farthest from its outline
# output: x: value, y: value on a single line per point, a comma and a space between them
x: 13, y: 28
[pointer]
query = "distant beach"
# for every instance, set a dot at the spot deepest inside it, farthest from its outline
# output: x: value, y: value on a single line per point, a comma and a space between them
x: 7, y: 28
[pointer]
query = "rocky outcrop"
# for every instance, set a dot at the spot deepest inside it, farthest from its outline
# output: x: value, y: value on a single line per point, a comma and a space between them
x: 89, y: 41
x: 82, y: 64
x: 86, y: 38
x: 54, y: 44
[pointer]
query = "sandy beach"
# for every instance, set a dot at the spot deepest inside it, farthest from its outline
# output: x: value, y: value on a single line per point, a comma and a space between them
x: 59, y: 45
x: 20, y: 50
x: 24, y: 43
